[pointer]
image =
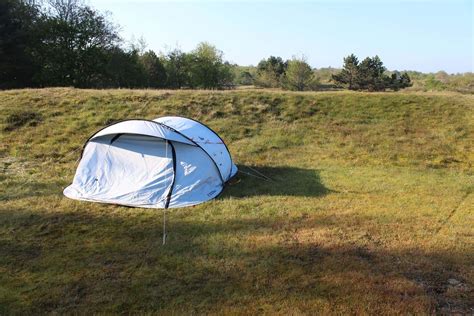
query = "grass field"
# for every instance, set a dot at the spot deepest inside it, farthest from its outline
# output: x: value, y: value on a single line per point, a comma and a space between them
x: 370, y: 210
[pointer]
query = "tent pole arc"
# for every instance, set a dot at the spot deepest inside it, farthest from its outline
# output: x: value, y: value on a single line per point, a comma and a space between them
x: 173, y: 157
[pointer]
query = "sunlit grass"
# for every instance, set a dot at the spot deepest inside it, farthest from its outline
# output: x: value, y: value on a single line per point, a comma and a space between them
x: 369, y: 208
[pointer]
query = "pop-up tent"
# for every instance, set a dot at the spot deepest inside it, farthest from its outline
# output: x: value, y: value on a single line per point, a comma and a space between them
x: 168, y: 162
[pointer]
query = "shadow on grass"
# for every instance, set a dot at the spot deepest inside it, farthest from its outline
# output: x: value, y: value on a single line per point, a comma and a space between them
x: 284, y: 181
x: 79, y: 262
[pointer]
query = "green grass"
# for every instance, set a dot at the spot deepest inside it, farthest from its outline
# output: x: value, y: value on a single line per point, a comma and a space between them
x: 370, y: 209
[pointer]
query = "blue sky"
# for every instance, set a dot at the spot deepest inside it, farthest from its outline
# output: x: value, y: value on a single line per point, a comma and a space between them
x: 408, y: 35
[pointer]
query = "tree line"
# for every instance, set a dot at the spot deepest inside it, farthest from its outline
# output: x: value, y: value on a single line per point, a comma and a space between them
x: 67, y: 43
x: 296, y: 74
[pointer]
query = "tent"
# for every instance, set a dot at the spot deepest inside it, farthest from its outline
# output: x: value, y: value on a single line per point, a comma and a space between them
x: 165, y: 163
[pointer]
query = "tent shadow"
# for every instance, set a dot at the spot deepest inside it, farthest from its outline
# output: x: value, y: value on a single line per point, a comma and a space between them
x: 283, y: 181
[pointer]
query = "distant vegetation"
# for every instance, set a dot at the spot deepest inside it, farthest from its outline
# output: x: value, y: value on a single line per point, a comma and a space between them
x: 67, y: 43
x: 370, y: 74
x: 296, y: 74
x: 442, y: 81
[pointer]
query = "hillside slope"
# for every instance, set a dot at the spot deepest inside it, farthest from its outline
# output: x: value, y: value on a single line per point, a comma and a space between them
x: 370, y: 208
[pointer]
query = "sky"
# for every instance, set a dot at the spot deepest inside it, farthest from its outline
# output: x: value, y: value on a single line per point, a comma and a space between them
x: 426, y: 36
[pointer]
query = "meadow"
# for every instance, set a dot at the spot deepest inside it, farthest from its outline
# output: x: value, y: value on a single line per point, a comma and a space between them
x: 369, y: 211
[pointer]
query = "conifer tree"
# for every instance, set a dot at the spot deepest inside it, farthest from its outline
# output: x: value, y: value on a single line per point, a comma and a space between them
x: 348, y: 75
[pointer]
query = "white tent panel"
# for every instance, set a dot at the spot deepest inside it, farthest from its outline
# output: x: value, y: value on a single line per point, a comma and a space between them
x: 205, y: 138
x: 142, y: 127
x: 197, y: 178
x: 134, y: 170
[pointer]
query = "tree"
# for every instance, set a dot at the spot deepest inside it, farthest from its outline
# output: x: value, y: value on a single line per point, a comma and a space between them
x: 75, y: 42
x: 245, y: 78
x: 207, y: 68
x: 270, y: 72
x: 123, y: 69
x: 398, y: 81
x: 349, y: 73
x: 226, y: 76
x: 64, y: 10
x: 154, y: 70
x: 177, y: 69
x: 244, y: 75
x: 369, y: 75
x: 298, y: 76
x: 18, y: 37
x: 405, y: 81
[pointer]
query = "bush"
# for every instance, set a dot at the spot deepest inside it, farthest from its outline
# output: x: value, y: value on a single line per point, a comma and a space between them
x: 270, y: 72
x: 434, y: 85
x: 299, y: 76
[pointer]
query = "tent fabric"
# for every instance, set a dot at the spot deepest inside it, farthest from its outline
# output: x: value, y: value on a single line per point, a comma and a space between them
x: 206, y: 138
x: 167, y: 163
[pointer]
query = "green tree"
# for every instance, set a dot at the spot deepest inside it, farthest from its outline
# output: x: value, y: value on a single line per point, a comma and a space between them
x: 371, y: 74
x: 154, y: 70
x: 226, y: 76
x: 298, y: 75
x: 177, y: 69
x: 244, y: 75
x: 207, y: 68
x: 246, y: 78
x: 18, y: 37
x: 123, y: 69
x: 270, y: 72
x: 405, y: 81
x: 349, y: 73
x: 75, y: 43
x: 398, y: 81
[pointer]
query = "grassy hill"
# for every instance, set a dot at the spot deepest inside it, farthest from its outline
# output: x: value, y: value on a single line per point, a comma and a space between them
x: 370, y: 208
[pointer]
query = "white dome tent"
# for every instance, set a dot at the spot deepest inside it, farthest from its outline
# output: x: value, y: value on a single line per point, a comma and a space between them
x: 165, y: 163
